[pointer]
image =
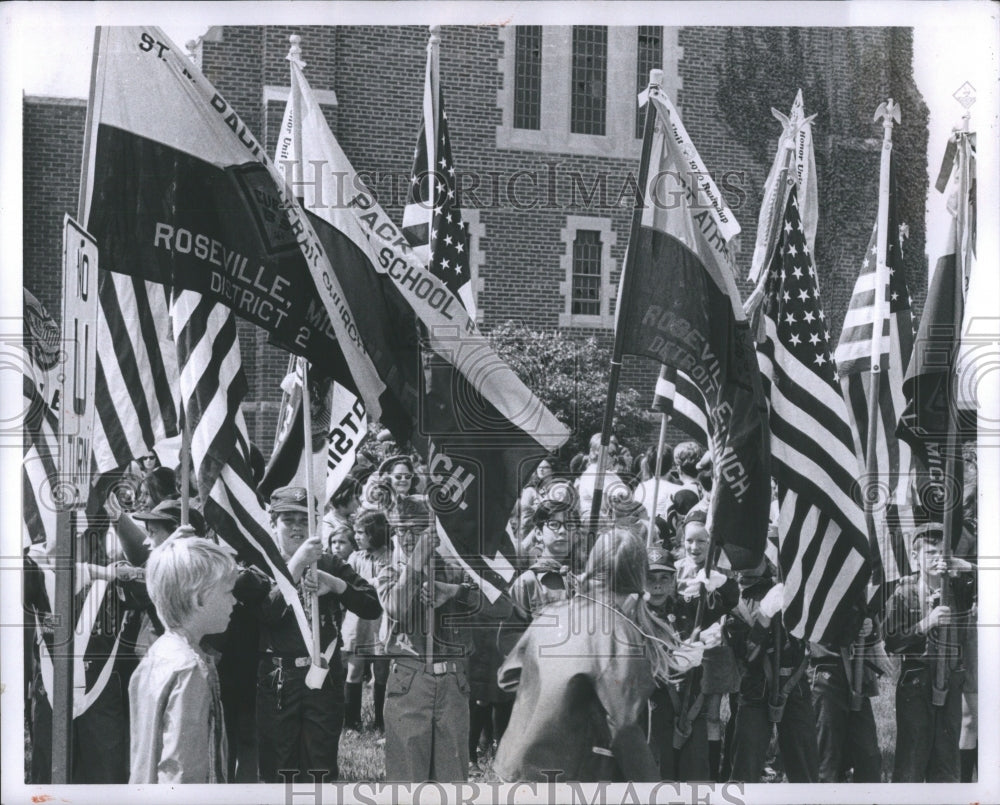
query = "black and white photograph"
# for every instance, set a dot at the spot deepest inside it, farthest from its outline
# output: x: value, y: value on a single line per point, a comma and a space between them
x: 500, y: 402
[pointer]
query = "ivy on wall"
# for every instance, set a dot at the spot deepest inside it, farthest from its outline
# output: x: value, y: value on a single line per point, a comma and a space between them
x: 765, y: 67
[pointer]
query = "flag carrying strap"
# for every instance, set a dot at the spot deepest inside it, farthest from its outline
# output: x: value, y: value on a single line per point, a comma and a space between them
x: 776, y: 711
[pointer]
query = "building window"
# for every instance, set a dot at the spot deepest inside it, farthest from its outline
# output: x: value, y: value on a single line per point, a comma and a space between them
x: 587, y: 267
x: 557, y: 86
x: 528, y: 77
x: 588, y: 102
x: 586, y: 299
x: 649, y: 52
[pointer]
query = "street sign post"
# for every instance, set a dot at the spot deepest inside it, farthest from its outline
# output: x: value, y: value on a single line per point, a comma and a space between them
x: 76, y: 425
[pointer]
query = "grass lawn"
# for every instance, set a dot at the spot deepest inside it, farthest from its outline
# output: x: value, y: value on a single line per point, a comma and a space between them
x: 362, y: 756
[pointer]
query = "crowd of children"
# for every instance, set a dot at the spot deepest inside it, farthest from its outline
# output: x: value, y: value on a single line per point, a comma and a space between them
x: 611, y: 657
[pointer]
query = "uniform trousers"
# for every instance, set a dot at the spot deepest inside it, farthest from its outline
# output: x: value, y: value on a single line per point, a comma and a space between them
x: 927, y: 736
x: 298, y: 728
x: 426, y: 721
x: 690, y: 762
x: 846, y: 738
x: 796, y: 733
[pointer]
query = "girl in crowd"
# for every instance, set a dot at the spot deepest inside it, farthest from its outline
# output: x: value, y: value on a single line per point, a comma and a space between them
x: 362, y: 646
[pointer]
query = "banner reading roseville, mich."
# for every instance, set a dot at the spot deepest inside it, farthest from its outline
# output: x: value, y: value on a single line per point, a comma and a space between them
x: 683, y: 309
x: 181, y: 193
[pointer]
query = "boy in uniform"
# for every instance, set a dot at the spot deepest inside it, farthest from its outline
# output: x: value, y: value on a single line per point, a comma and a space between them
x: 766, y: 698
x: 427, y: 696
x: 928, y: 721
x: 298, y: 727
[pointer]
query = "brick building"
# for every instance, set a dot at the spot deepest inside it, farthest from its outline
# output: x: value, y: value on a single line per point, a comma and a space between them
x: 546, y: 136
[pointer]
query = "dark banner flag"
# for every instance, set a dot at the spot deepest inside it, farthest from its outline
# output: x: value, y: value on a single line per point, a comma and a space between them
x: 936, y: 374
x: 180, y: 193
x: 683, y: 309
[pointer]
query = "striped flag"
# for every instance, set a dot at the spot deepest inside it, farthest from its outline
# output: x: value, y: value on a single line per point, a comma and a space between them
x: 339, y: 424
x: 41, y: 343
x: 821, y: 529
x: 136, y: 392
x: 683, y: 403
x: 432, y: 201
x: 889, y: 468
x: 213, y: 385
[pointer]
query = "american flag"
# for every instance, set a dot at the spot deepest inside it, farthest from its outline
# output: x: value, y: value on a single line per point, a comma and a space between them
x: 137, y: 400
x: 889, y: 468
x: 447, y: 249
x: 677, y: 397
x: 213, y: 385
x: 41, y: 343
x: 822, y: 534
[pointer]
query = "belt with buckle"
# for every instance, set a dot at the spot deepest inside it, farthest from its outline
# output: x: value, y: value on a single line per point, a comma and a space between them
x: 439, y: 668
x: 289, y: 662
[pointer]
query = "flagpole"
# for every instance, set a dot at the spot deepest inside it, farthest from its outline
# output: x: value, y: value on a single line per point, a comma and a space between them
x: 656, y: 478
x: 295, y: 58
x: 889, y: 114
x: 431, y: 100
x: 186, y: 472
x: 953, y: 511
x: 310, y: 501
x: 624, y: 300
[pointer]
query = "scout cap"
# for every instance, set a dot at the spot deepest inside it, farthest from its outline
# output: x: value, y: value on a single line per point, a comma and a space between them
x: 289, y: 499
x: 169, y: 512
x: 660, y: 559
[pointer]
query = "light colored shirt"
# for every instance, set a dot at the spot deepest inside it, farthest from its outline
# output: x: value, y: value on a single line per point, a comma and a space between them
x: 177, y: 731
x: 585, y: 489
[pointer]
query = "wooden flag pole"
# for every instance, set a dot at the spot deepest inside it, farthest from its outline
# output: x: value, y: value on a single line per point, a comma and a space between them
x: 295, y: 58
x: 432, y: 89
x: 888, y: 113
x: 624, y: 300
x: 317, y: 648
x: 944, y: 643
x: 186, y: 472
x: 656, y: 480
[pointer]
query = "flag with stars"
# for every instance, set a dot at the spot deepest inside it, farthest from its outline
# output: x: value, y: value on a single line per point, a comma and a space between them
x: 822, y: 536
x: 889, y: 468
x: 432, y: 203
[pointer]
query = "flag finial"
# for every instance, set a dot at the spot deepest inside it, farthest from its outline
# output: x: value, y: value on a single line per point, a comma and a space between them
x: 888, y: 112
x: 295, y: 49
x: 656, y: 78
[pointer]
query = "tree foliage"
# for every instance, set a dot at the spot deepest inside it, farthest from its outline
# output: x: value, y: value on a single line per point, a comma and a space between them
x: 570, y: 375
